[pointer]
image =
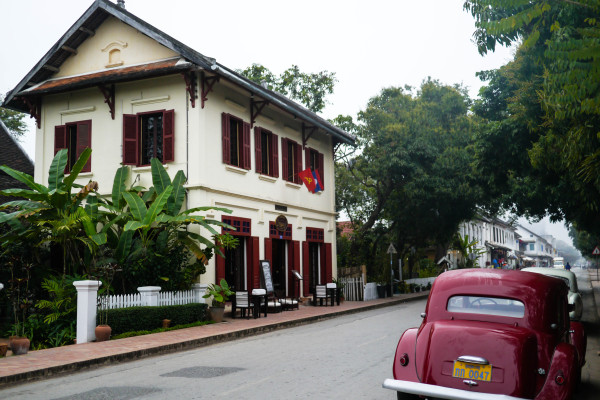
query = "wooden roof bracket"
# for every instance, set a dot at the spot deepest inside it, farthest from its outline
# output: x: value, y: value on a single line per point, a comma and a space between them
x: 190, y: 86
x: 35, y: 109
x: 256, y: 108
x: 109, y: 98
x: 206, y: 86
x: 307, y: 132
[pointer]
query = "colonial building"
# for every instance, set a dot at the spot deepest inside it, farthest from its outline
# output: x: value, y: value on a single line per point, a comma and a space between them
x: 131, y: 93
x: 496, y: 239
x: 537, y: 251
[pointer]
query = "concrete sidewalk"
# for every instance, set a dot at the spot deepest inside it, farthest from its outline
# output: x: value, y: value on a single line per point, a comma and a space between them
x: 46, y: 363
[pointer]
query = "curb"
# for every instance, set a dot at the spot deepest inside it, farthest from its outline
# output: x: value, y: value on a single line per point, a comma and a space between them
x: 55, y: 371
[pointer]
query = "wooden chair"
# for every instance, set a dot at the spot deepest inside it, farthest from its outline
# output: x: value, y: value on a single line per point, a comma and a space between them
x: 321, y: 293
x: 242, y: 301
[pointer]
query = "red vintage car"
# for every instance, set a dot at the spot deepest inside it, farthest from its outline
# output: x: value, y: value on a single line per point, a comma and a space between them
x: 491, y: 334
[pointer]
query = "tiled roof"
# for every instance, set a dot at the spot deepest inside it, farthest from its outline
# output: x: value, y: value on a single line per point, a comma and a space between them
x: 13, y: 156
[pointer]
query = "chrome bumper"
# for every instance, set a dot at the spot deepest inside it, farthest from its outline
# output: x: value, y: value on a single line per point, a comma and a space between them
x: 441, y: 392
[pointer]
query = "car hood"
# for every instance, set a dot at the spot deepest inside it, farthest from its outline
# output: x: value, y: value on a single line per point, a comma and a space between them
x: 511, y: 351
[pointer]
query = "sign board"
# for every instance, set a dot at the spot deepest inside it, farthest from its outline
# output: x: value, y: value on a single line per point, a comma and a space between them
x: 391, y: 249
x: 265, y: 267
x: 596, y: 251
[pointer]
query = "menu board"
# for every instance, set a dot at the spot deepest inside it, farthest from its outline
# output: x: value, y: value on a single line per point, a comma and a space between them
x: 266, y: 273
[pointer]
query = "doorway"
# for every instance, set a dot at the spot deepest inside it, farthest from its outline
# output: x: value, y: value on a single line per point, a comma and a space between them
x: 235, y: 266
x: 279, y: 267
x: 314, y: 265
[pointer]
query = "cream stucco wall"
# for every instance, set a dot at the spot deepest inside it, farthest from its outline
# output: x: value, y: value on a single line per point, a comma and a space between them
x: 93, y: 54
x: 198, y: 153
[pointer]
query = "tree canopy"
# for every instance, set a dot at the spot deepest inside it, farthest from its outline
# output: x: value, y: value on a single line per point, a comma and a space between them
x: 412, y: 180
x: 541, y: 111
x: 13, y: 121
x: 310, y: 89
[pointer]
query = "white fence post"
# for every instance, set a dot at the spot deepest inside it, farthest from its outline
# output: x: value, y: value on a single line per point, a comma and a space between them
x: 149, y: 295
x: 199, y: 291
x: 87, y: 292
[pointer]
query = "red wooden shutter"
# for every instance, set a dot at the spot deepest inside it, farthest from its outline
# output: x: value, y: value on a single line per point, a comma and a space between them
x: 258, y: 150
x: 274, y: 156
x: 130, y: 139
x: 220, y: 268
x: 246, y: 148
x: 284, y: 159
x: 298, y: 166
x: 60, y: 138
x: 307, y: 157
x: 225, y: 138
x: 322, y: 170
x: 294, y: 264
x: 255, y: 280
x: 326, y: 248
x: 306, y: 270
x: 168, y: 136
x: 84, y: 140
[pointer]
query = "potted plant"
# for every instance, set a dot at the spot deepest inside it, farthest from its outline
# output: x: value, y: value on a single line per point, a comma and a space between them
x: 220, y: 294
x: 22, y: 300
x: 107, y: 272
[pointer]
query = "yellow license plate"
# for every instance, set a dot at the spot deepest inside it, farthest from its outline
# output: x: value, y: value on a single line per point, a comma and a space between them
x: 478, y: 372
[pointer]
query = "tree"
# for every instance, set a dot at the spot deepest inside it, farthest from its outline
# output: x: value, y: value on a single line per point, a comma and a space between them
x: 412, y: 182
x: 13, y: 121
x: 560, y: 40
x: 310, y: 89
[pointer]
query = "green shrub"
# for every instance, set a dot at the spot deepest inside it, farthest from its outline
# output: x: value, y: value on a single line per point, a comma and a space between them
x: 149, y: 318
x: 157, y: 330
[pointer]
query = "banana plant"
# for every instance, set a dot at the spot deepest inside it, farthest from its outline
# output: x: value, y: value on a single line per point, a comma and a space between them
x: 53, y: 213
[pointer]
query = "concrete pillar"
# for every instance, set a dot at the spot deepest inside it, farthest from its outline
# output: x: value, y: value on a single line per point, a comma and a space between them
x: 199, y: 291
x: 149, y: 295
x: 87, y: 306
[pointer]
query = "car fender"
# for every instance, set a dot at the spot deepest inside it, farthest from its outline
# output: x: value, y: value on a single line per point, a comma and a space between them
x: 564, y: 364
x: 406, y: 345
x: 579, y: 340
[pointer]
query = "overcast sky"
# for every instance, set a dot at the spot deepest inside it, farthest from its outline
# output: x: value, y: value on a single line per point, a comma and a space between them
x: 370, y: 45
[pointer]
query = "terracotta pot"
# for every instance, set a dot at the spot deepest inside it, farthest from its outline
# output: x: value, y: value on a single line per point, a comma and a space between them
x: 216, y: 313
x: 19, y: 345
x: 102, y: 333
x: 3, y: 350
x: 166, y: 323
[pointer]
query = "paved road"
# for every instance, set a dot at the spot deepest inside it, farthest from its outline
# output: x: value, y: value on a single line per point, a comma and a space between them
x: 342, y: 358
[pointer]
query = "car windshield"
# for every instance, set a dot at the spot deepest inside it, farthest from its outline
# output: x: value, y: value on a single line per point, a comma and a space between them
x: 486, y: 305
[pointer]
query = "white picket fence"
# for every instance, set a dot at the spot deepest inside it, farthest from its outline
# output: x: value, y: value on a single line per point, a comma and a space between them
x: 88, y: 303
x: 119, y: 301
x: 353, y: 288
x: 176, y: 298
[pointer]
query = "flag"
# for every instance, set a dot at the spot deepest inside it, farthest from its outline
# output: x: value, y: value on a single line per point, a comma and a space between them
x: 308, y: 179
x: 318, y: 186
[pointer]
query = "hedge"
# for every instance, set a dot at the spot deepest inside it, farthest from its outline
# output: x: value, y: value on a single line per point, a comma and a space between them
x: 123, y: 320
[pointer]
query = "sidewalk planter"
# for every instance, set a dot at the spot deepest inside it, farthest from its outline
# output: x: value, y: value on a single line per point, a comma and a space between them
x: 102, y: 333
x: 3, y: 350
x: 216, y: 313
x: 19, y: 345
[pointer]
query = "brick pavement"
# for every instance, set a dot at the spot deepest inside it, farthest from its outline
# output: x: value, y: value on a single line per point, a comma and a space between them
x: 46, y: 363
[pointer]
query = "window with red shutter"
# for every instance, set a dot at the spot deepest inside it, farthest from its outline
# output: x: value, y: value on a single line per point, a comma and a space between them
x: 236, y: 141
x: 315, y: 161
x: 75, y: 137
x: 266, y: 152
x: 149, y: 135
x: 291, y: 153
